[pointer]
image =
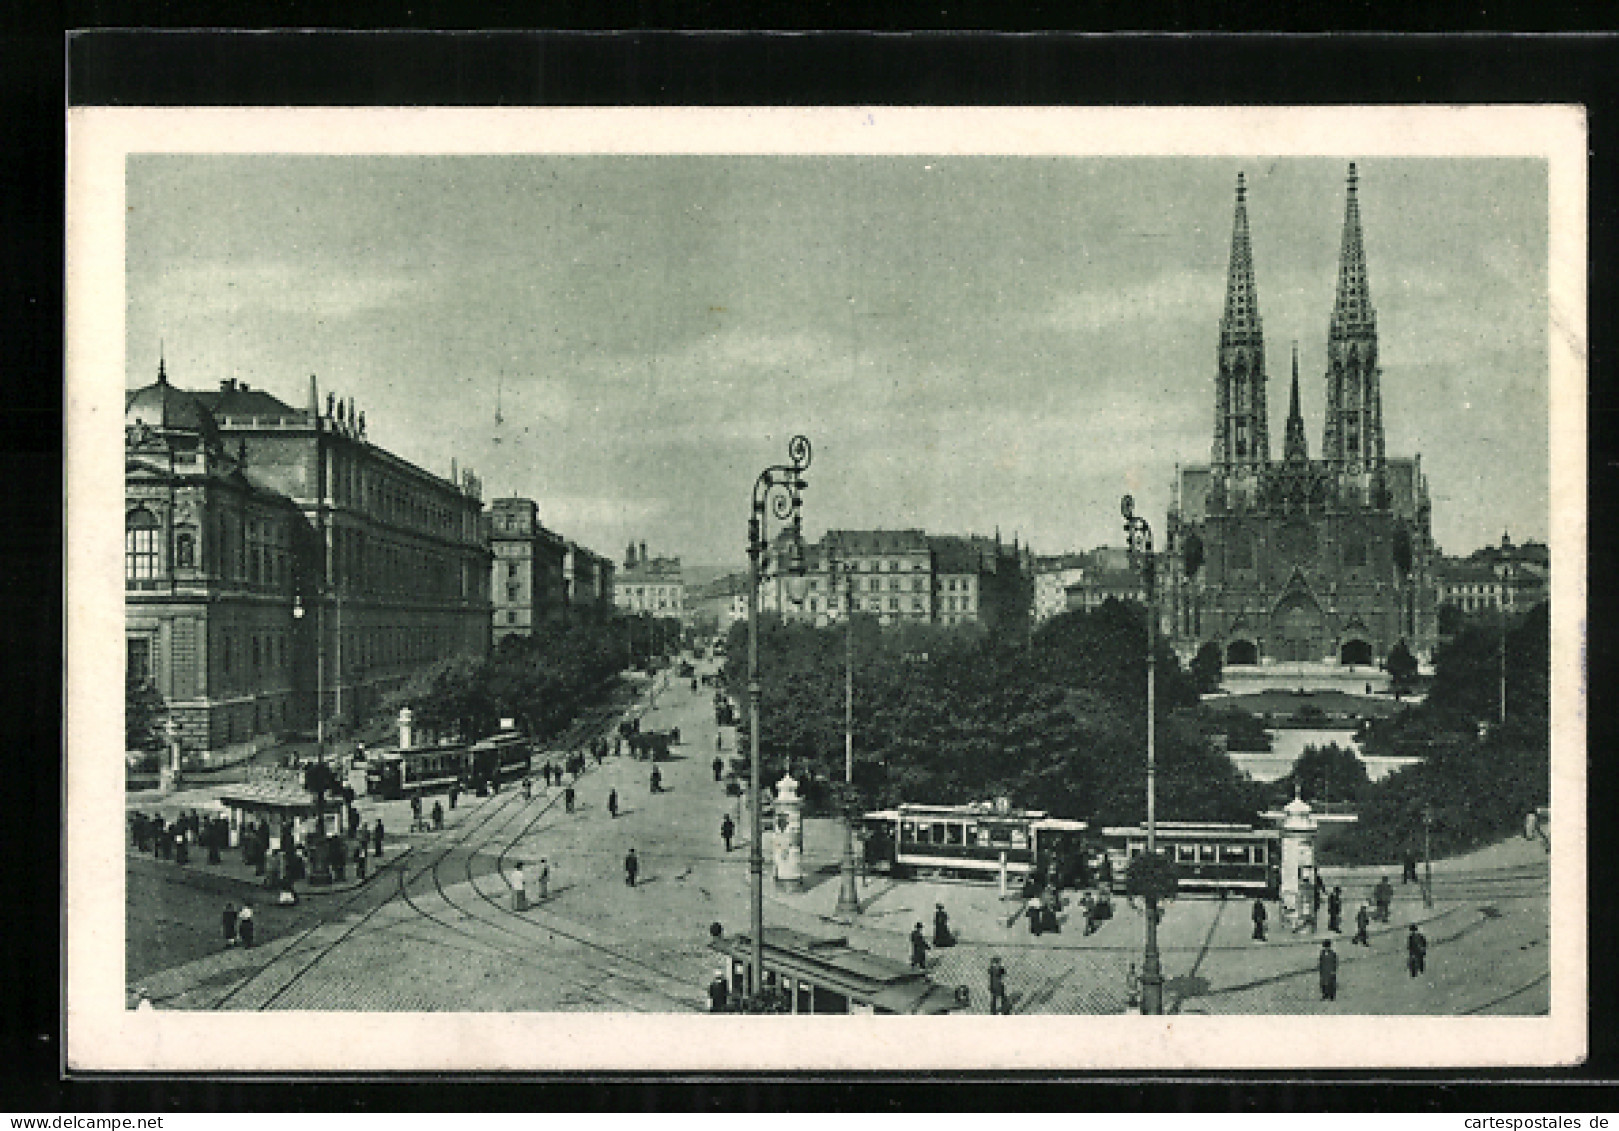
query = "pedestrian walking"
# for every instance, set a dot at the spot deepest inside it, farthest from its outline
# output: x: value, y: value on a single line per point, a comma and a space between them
x: 727, y: 830
x: 1034, y: 909
x: 941, y: 927
x: 1260, y: 915
x: 519, y: 889
x: 601, y: 751
x: 438, y: 816
x: 1318, y: 891
x: 1335, y: 911
x: 455, y: 794
x: 1363, y: 920
x: 360, y: 860
x: 717, y: 994
x: 244, y: 925
x: 657, y: 780
x: 1327, y: 967
x: 1383, y: 894
x: 528, y: 787
x: 545, y: 880
x: 415, y: 810
x: 919, y: 948
x: 719, y: 768
x: 1408, y: 869
x: 612, y: 802
x: 632, y: 868
x: 997, y: 985
x: 567, y: 798
x: 1416, y: 951
x: 376, y: 839
x: 229, y: 920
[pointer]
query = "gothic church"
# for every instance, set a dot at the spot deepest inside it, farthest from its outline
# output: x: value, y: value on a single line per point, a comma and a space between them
x: 1313, y: 560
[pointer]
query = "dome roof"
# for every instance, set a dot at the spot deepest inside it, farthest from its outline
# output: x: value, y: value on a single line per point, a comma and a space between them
x: 163, y: 408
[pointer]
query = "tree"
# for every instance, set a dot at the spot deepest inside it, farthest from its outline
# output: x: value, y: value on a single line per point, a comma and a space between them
x: 1402, y: 668
x: 1207, y: 668
x: 1326, y: 773
x: 144, y: 713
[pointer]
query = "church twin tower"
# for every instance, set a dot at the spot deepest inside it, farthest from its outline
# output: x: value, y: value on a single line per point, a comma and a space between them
x: 1301, y: 559
x: 1353, y: 438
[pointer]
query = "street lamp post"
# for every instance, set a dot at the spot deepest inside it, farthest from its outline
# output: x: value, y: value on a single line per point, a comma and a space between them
x: 848, y: 894
x: 1427, y: 856
x: 1138, y: 536
x: 777, y: 490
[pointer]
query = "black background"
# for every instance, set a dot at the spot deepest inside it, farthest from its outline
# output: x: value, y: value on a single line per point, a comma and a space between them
x: 43, y: 69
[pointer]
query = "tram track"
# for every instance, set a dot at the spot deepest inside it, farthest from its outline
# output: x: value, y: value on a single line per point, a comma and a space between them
x: 597, y: 718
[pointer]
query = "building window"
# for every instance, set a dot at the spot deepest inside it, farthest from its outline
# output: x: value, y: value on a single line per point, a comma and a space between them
x: 511, y: 569
x: 511, y: 617
x: 916, y: 604
x: 139, y: 652
x: 511, y: 592
x: 893, y: 603
x: 140, y: 545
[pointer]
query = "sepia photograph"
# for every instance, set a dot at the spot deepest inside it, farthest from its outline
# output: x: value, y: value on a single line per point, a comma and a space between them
x: 864, y: 587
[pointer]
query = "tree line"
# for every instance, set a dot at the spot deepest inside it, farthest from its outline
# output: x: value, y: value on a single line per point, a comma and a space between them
x: 946, y: 716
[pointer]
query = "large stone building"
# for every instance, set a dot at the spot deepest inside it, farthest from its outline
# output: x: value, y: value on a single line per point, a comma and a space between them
x: 1509, y: 577
x: 649, y: 586
x: 909, y: 577
x: 540, y: 577
x: 1301, y: 559
x: 275, y: 557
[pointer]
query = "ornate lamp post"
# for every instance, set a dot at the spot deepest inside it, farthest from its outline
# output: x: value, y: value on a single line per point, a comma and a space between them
x: 777, y: 491
x: 848, y: 894
x: 1138, y: 537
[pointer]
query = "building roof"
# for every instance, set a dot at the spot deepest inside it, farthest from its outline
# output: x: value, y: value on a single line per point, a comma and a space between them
x: 237, y: 398
x: 854, y: 543
x: 665, y: 570
x: 163, y: 408
x: 1056, y: 563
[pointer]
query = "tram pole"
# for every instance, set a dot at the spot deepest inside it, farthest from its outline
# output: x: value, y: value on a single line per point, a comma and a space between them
x: 1139, y: 539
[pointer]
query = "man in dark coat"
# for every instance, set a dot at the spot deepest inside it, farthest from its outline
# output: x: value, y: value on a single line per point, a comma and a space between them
x: 632, y: 868
x: 1327, y: 966
x: 1416, y: 951
x: 727, y: 831
x: 717, y: 995
x: 567, y: 798
x: 1363, y: 920
x: 229, y: 920
x: 1383, y: 895
x: 941, y: 927
x: 657, y: 780
x: 919, y: 947
x: 612, y: 802
x: 1335, y: 910
x: 1317, y: 891
x: 719, y: 769
x: 1408, y: 869
x: 438, y: 815
x: 376, y: 840
x: 1259, y: 916
x: 244, y: 925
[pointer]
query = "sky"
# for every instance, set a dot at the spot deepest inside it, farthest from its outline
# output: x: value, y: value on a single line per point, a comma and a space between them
x: 971, y: 343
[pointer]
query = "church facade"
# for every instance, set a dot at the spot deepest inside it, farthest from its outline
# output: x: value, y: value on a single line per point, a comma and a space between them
x: 1300, y: 559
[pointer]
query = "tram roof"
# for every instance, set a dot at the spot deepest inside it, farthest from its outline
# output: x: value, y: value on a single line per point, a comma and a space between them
x: 1207, y: 829
x: 977, y: 813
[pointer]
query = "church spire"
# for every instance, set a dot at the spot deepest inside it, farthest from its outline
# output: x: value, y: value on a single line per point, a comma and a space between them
x: 1241, y: 429
x: 162, y: 374
x: 1353, y: 438
x: 1295, y: 447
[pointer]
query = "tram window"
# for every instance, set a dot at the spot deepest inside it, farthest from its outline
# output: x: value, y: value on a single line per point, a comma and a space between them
x: 938, y: 832
x: 907, y: 831
x: 1234, y: 854
x: 999, y: 834
x: 953, y: 834
x: 1259, y: 853
x: 1185, y: 853
x: 1205, y: 853
x: 1020, y: 838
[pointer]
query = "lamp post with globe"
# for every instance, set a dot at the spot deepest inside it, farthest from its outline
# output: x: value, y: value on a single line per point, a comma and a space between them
x: 777, y: 491
x: 1138, y: 536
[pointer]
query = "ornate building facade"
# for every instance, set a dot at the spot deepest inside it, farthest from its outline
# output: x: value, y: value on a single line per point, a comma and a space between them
x: 281, y: 571
x: 1302, y: 559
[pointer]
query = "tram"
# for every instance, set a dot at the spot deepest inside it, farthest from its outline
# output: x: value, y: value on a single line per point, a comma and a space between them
x: 392, y: 774
x: 1224, y: 859
x: 971, y: 841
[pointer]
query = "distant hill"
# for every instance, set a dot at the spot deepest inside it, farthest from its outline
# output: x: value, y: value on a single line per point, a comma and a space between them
x: 696, y: 576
